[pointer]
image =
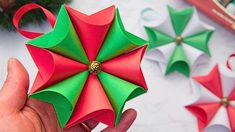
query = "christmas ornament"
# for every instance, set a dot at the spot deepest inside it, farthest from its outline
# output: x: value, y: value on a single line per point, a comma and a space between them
x: 215, y: 107
x: 180, y: 43
x: 89, y: 65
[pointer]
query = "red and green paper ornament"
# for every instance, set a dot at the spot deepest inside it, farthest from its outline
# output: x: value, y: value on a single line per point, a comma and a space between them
x: 89, y: 65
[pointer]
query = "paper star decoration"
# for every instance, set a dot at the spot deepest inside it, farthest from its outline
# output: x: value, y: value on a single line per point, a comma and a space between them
x: 179, y: 42
x: 89, y: 66
x: 215, y: 108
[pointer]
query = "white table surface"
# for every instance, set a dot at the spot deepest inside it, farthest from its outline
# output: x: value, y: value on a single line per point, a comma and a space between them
x: 162, y: 108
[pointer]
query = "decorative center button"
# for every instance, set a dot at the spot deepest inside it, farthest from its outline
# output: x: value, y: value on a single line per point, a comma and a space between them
x: 179, y: 39
x: 225, y: 101
x: 95, y: 67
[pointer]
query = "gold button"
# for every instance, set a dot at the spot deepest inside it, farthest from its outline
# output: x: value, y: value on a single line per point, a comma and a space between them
x: 179, y: 39
x: 225, y: 101
x: 95, y: 67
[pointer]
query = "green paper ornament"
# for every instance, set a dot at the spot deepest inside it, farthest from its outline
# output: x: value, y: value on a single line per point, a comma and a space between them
x: 180, y: 43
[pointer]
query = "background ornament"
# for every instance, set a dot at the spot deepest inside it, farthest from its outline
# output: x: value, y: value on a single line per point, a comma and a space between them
x: 180, y: 42
x: 215, y: 106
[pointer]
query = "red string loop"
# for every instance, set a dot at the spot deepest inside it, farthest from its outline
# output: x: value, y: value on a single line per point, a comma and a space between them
x: 26, y: 8
x: 227, y: 63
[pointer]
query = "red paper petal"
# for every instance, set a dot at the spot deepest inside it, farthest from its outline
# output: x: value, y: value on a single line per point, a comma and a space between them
x: 204, y: 112
x: 92, y: 29
x: 201, y: 125
x: 75, y: 12
x: 52, y: 67
x: 127, y: 66
x: 232, y: 95
x: 212, y: 82
x: 92, y: 104
x: 231, y: 115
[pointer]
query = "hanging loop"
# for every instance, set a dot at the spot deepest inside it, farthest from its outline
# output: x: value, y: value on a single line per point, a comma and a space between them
x: 25, y: 9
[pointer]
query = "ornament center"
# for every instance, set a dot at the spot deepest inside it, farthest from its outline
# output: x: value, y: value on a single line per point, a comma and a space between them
x: 95, y: 67
x: 225, y: 101
x: 179, y: 39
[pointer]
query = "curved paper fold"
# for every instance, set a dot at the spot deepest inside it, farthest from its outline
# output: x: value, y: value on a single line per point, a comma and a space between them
x: 127, y: 66
x: 206, y: 96
x: 232, y: 103
x: 165, y: 27
x: 232, y: 95
x: 219, y: 122
x: 63, y: 39
x: 118, y: 41
x: 231, y: 115
x: 195, y: 26
x: 199, y: 41
x: 212, y: 82
x: 204, y: 113
x: 191, y: 53
x: 161, y: 54
x: 63, y: 95
x: 52, y: 67
x: 194, y: 56
x: 201, y: 59
x: 92, y: 104
x: 92, y: 29
x: 227, y: 77
x: 151, y: 55
x: 118, y: 91
x: 152, y: 18
x: 178, y: 62
x: 180, y: 19
x: 157, y: 38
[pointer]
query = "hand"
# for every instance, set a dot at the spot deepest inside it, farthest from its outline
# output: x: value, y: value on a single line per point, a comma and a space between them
x: 20, y: 114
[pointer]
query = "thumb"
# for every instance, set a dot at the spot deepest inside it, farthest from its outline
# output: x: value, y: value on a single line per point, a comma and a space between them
x: 13, y: 94
x: 127, y: 119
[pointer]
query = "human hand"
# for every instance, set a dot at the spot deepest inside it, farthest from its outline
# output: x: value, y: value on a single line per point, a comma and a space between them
x: 20, y: 114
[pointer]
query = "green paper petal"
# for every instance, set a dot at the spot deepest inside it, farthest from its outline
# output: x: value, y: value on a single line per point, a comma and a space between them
x: 157, y: 38
x: 180, y: 19
x: 199, y: 41
x: 178, y: 62
x: 118, y: 91
x: 118, y: 41
x: 63, y: 95
x: 63, y: 39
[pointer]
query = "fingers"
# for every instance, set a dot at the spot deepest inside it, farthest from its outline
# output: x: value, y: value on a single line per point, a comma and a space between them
x: 77, y: 128
x: 91, y: 124
x: 46, y: 113
x: 14, y: 91
x: 128, y: 117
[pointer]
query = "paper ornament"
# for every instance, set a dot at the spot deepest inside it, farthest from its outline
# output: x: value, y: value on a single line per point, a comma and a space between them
x: 215, y: 107
x: 89, y: 65
x: 178, y: 43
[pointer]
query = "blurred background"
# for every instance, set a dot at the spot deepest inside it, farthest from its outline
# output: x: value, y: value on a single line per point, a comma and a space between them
x: 162, y: 108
